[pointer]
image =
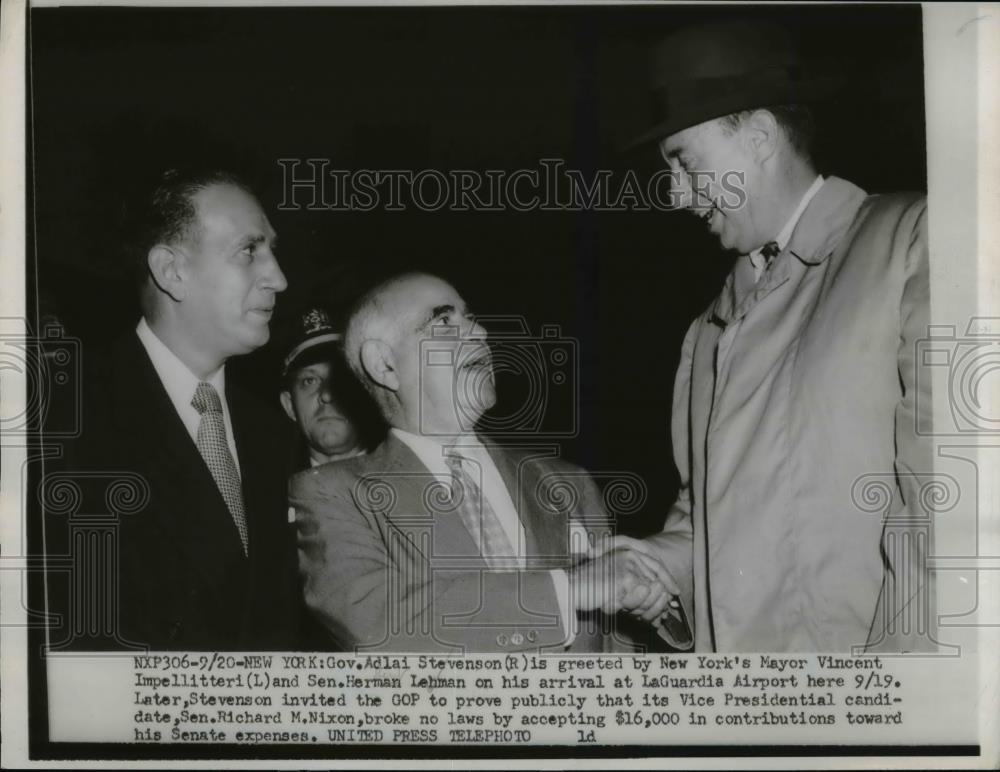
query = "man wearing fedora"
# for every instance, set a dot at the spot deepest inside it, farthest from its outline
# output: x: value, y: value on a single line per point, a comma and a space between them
x: 319, y: 393
x: 796, y: 390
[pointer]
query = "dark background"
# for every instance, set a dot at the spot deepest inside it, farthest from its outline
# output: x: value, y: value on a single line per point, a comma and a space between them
x: 116, y: 92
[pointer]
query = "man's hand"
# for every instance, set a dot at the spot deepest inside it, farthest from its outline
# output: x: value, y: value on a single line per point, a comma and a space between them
x: 664, y: 591
x: 620, y: 578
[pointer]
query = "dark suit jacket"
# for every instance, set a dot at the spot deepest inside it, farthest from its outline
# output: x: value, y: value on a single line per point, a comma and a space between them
x: 182, y: 580
x: 384, y: 568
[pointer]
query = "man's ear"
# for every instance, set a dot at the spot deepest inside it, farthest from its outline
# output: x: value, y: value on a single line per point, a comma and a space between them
x: 164, y: 267
x: 286, y: 403
x: 762, y: 134
x: 379, y: 364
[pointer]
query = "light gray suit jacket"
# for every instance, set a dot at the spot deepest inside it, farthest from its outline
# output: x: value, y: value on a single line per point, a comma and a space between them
x: 386, y: 566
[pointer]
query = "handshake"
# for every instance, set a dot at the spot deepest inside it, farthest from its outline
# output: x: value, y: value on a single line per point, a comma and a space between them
x: 624, y: 574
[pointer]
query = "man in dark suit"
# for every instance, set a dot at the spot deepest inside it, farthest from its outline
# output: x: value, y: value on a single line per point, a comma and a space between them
x: 438, y: 540
x: 208, y: 562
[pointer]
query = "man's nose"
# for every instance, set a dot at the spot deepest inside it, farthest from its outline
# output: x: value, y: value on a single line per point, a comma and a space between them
x: 681, y: 193
x: 273, y: 278
x: 325, y: 393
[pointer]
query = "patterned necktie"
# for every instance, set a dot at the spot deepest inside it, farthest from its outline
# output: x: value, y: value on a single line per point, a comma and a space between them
x: 479, y: 517
x: 214, y: 449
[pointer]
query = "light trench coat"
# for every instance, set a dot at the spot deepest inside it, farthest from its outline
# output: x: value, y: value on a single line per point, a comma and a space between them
x: 799, y: 525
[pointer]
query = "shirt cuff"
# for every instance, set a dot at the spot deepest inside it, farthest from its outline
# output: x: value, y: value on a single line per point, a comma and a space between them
x: 567, y: 612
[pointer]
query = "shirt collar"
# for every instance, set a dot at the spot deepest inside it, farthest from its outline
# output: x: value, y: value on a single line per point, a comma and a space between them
x: 434, y: 454
x: 179, y: 382
x: 785, y: 234
x: 425, y: 446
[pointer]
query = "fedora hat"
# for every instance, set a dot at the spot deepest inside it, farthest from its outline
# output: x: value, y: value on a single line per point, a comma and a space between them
x: 703, y: 72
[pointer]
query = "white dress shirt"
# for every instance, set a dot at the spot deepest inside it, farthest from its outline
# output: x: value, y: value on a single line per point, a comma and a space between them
x: 432, y: 455
x: 758, y: 261
x: 180, y: 384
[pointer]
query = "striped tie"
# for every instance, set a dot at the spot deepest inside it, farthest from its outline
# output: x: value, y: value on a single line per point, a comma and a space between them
x: 479, y: 517
x: 214, y: 449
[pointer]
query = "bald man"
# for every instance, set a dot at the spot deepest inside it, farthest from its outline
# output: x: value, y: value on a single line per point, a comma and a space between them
x: 439, y: 540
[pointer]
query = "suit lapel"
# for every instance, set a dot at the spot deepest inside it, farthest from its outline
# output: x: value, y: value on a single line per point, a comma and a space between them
x: 188, y: 506
x: 266, y: 524
x: 544, y: 528
x: 415, y: 498
x: 394, y: 465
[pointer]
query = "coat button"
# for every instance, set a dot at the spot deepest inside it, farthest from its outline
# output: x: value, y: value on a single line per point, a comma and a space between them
x: 517, y: 639
x: 532, y: 636
x: 501, y: 640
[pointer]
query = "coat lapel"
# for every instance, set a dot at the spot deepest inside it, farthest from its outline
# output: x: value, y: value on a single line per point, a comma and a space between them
x: 267, y: 524
x: 816, y: 235
x: 538, y: 505
x: 411, y: 499
x: 544, y: 510
x: 188, y: 508
x: 255, y: 453
x: 825, y: 221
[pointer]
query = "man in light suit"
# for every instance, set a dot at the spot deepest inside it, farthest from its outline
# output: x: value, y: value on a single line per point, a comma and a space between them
x: 436, y: 540
x: 797, y: 386
x: 207, y: 562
